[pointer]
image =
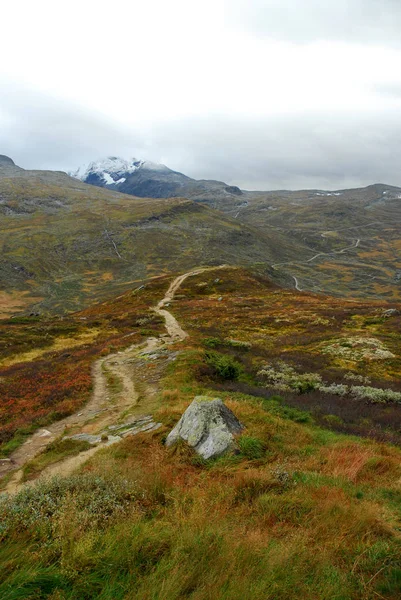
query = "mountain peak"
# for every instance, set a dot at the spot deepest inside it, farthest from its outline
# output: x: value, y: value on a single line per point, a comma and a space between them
x: 113, y: 170
x: 6, y: 160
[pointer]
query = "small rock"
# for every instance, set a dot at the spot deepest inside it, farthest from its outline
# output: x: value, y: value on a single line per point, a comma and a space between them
x: 112, y: 439
x: 85, y: 437
x: 149, y: 427
x: 220, y: 299
x: 93, y: 440
x: 208, y: 427
x: 391, y: 312
x: 43, y: 433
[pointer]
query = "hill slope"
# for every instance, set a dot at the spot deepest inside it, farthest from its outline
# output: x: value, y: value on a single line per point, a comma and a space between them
x: 153, y: 180
x: 346, y: 242
x: 301, y: 511
x: 350, y: 239
x: 65, y: 243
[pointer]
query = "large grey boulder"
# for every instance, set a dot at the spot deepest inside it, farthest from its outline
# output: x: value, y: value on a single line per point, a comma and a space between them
x: 207, y: 426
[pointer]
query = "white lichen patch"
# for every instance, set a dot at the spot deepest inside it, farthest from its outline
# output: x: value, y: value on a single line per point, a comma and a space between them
x: 357, y: 348
x: 285, y: 378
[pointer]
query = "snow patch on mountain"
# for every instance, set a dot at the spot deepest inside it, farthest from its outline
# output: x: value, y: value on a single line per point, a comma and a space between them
x: 113, y: 169
x: 328, y: 194
x: 108, y: 178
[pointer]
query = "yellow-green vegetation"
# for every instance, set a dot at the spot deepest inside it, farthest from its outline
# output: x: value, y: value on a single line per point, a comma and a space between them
x: 53, y: 453
x: 66, y: 245
x: 303, y: 510
x: 299, y: 513
x: 329, y: 356
x: 348, y: 243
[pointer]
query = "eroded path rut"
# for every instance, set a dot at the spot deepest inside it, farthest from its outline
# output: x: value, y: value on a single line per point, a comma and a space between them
x: 115, y: 392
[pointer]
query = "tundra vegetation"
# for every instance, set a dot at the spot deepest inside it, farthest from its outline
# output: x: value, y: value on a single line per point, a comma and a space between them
x: 310, y: 507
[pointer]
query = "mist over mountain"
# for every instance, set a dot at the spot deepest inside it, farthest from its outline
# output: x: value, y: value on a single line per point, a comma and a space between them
x: 147, y: 179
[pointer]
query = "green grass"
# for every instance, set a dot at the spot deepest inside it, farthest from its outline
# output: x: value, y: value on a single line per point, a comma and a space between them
x: 251, y: 447
x: 54, y: 452
x: 148, y: 523
x: 114, y: 383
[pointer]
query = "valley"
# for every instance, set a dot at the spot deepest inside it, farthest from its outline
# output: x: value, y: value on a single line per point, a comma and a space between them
x: 116, y: 312
x: 66, y: 244
x: 346, y: 242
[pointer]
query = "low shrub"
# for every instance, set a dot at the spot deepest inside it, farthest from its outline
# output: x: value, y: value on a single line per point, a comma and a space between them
x: 375, y: 394
x: 284, y: 377
x: 95, y: 499
x: 223, y: 366
x: 214, y: 342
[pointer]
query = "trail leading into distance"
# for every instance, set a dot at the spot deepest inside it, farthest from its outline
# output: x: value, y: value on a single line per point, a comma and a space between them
x: 104, y: 408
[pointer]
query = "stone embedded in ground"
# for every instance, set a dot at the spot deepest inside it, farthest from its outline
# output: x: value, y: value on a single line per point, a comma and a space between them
x: 141, y: 424
x: 43, y: 433
x: 131, y: 424
x: 93, y: 440
x: 207, y: 426
x: 134, y: 430
x: 5, y: 464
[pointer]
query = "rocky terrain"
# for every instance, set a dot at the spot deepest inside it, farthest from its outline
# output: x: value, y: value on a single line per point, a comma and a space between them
x: 153, y: 180
x: 66, y: 243
x: 346, y: 241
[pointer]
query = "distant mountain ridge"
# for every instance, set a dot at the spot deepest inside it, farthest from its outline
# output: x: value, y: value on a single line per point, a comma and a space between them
x: 66, y: 244
x: 346, y: 241
x: 342, y: 242
x: 146, y: 179
x: 114, y: 169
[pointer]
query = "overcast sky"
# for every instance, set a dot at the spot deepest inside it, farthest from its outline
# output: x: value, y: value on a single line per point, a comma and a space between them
x: 263, y: 94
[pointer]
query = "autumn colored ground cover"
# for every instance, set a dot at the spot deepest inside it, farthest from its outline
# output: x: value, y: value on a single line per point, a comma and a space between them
x: 301, y: 511
x: 57, y: 382
x: 350, y: 344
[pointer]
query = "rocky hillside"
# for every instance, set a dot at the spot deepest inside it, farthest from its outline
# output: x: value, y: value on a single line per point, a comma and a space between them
x: 349, y: 240
x: 66, y: 243
x: 152, y: 180
x: 66, y: 240
x: 346, y: 241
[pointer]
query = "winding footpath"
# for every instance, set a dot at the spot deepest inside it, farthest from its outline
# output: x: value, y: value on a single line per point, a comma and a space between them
x: 106, y: 408
x: 305, y: 262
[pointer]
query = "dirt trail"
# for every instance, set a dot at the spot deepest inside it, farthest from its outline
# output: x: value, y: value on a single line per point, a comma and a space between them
x: 355, y: 244
x: 115, y: 391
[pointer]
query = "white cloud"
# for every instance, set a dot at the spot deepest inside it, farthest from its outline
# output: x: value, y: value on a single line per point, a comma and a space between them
x: 151, y: 78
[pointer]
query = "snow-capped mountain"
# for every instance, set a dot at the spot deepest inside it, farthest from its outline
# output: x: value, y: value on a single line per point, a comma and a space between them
x: 147, y: 179
x: 114, y: 170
